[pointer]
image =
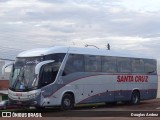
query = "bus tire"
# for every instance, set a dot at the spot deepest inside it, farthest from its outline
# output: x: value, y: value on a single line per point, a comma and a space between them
x: 40, y: 108
x: 67, y: 102
x: 135, y: 98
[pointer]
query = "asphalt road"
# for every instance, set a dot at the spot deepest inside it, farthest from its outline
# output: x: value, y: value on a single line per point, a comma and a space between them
x: 150, y: 107
x: 146, y: 110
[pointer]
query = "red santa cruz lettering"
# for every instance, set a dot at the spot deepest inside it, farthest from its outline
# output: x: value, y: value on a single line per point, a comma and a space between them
x: 131, y: 78
x: 124, y: 78
x: 141, y: 78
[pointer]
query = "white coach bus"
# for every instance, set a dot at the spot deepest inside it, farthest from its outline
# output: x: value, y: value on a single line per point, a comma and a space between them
x: 67, y: 76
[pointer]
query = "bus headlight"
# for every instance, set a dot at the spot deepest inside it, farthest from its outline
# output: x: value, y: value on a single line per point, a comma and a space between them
x: 32, y: 95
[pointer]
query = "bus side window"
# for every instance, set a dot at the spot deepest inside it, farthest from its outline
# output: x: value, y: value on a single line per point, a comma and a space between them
x: 58, y: 57
x: 109, y: 64
x: 48, y: 73
x: 137, y: 66
x: 150, y: 66
x: 75, y: 63
x: 92, y: 63
x: 124, y: 65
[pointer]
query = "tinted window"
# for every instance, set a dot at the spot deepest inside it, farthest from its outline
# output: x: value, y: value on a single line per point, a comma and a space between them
x: 137, y: 66
x: 150, y: 66
x: 109, y: 64
x: 75, y: 63
x: 124, y: 65
x: 49, y: 73
x: 23, y: 73
x: 58, y: 57
x: 92, y: 63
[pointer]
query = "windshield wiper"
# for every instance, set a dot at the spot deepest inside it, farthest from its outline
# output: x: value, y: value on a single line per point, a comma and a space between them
x: 16, y: 81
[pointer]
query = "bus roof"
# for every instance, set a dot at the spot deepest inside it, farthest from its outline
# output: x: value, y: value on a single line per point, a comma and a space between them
x: 78, y: 50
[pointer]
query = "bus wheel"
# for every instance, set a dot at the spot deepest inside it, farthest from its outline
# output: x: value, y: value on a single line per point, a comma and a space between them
x: 135, y: 98
x: 67, y: 102
x: 39, y: 108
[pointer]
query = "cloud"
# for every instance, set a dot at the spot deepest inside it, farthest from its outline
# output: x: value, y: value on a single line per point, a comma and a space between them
x: 3, y: 1
x: 141, y: 5
x: 43, y: 23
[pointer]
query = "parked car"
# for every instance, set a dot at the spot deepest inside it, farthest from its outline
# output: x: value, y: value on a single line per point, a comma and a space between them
x: 7, y: 105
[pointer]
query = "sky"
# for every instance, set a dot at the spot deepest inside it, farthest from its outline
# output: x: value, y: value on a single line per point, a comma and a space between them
x: 127, y: 25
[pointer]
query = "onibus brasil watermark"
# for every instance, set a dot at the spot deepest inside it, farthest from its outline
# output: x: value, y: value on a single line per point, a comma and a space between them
x: 14, y: 114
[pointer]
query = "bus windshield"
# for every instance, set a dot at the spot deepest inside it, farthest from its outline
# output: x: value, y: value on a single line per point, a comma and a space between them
x: 23, y: 73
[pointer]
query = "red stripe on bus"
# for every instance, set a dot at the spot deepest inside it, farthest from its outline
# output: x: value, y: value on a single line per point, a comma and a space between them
x: 87, y: 77
x: 115, y: 91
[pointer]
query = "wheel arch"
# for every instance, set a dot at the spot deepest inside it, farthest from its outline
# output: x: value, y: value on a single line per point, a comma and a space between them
x: 70, y: 92
x: 135, y: 97
x: 136, y: 90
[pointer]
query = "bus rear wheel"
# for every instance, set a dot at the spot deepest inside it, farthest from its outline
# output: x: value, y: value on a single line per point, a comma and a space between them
x: 67, y: 102
x: 135, y: 98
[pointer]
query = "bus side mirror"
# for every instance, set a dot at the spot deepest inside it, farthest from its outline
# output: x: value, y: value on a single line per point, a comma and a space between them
x: 39, y: 65
x: 5, y: 66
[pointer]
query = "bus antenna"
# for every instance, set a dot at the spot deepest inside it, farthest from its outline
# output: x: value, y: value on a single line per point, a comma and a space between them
x: 108, y: 46
x: 91, y: 45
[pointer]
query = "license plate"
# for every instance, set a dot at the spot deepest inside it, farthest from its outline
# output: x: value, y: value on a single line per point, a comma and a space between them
x: 19, y: 102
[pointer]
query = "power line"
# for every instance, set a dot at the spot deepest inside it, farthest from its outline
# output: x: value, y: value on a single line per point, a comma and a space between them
x: 6, y: 59
x: 9, y: 48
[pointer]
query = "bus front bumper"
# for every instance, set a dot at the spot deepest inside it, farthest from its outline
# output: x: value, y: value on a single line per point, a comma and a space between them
x: 32, y: 102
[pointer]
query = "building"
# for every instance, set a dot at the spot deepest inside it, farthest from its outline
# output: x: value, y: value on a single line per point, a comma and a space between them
x: 7, y: 73
x: 158, y: 94
x: 4, y: 82
x: 4, y: 89
x: 1, y: 65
